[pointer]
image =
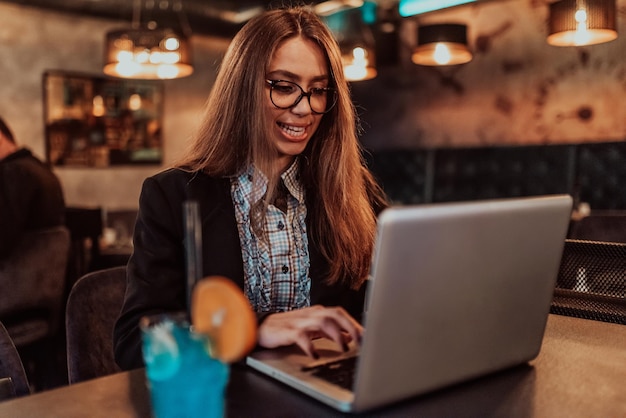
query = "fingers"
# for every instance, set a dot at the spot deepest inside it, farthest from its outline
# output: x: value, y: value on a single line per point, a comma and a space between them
x: 306, y: 344
x: 346, y: 324
x: 337, y: 328
x: 301, y: 326
x: 333, y: 323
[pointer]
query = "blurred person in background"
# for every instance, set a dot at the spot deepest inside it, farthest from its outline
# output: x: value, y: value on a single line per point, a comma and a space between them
x: 31, y: 196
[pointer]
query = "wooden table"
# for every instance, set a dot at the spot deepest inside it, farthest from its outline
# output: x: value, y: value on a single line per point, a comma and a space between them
x: 580, y: 372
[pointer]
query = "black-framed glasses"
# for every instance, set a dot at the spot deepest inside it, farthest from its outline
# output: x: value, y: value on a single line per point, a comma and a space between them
x: 287, y: 94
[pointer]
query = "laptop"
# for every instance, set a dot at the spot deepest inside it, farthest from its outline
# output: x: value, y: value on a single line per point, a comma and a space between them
x: 457, y: 291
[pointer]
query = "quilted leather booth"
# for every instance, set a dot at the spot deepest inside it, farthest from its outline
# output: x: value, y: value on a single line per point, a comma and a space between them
x: 592, y: 173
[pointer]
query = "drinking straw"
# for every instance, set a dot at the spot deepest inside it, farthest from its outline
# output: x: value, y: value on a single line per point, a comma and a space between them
x: 193, y: 245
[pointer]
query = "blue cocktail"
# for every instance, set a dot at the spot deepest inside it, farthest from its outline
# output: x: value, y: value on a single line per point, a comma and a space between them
x: 184, y: 380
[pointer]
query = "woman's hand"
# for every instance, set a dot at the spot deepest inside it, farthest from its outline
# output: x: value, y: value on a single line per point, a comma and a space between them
x: 302, y: 325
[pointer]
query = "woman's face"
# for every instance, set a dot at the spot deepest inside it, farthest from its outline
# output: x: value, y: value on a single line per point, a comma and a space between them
x: 299, y: 61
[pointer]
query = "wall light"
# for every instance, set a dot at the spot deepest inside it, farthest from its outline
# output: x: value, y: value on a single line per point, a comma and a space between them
x: 146, y: 51
x: 581, y: 22
x: 442, y: 44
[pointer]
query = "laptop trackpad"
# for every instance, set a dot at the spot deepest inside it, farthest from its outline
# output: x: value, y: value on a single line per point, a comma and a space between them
x: 292, y: 366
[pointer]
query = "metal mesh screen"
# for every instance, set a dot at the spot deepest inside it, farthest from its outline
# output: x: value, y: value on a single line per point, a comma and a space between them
x: 592, y: 281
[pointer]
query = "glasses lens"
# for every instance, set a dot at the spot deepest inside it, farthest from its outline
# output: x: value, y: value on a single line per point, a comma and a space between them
x: 285, y: 94
x: 330, y: 99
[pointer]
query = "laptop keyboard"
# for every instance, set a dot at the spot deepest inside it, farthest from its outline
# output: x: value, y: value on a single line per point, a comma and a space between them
x: 340, y: 372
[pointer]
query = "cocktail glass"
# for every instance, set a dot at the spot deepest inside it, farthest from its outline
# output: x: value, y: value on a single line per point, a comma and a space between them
x: 184, y: 380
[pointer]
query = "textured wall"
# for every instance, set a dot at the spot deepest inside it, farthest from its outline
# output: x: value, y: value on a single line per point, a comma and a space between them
x: 517, y: 90
x: 33, y: 41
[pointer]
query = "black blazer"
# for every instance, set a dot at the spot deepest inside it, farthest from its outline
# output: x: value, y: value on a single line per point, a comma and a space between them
x: 156, y: 269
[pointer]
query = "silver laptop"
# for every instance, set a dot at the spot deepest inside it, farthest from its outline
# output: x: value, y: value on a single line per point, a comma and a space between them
x: 457, y: 291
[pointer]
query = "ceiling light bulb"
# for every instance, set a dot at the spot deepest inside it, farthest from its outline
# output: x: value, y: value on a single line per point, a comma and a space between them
x: 142, y: 56
x: 134, y: 102
x: 127, y: 68
x: 123, y: 56
x: 155, y: 57
x: 442, y: 54
x: 167, y: 71
x: 171, y: 44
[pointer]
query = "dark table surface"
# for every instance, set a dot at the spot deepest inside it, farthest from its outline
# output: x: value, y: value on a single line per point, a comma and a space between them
x: 580, y: 372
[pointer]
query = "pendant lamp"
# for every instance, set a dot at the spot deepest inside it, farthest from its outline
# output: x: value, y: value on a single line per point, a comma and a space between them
x: 356, y: 42
x: 147, y: 51
x: 441, y: 44
x: 581, y: 22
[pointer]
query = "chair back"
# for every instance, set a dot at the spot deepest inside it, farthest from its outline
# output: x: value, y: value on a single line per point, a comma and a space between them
x: 85, y: 225
x: 13, y: 381
x: 35, y: 274
x: 92, y: 308
x: 603, y: 226
x: 591, y: 283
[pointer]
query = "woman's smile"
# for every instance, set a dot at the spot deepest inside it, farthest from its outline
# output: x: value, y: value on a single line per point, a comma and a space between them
x: 293, y: 132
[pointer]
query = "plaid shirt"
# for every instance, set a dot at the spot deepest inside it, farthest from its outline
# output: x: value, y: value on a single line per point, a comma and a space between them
x: 276, y: 270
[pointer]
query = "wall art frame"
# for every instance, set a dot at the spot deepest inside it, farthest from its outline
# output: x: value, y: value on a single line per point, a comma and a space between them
x: 99, y: 121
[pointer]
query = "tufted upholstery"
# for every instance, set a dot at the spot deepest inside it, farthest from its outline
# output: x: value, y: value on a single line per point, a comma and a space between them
x: 13, y: 381
x: 601, y: 175
x: 403, y: 174
x: 92, y: 308
x: 593, y: 173
x: 33, y: 281
x: 488, y: 173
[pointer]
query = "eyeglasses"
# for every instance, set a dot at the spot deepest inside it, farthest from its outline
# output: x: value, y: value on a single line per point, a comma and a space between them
x: 286, y: 94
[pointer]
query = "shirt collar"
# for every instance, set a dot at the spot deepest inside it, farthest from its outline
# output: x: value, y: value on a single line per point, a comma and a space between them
x: 290, y: 177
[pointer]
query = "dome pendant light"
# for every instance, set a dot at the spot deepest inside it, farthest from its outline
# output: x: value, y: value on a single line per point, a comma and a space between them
x: 356, y: 42
x: 146, y: 51
x: 581, y: 22
x: 441, y: 44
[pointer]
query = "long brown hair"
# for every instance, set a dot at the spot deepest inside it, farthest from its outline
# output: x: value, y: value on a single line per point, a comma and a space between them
x: 340, y: 191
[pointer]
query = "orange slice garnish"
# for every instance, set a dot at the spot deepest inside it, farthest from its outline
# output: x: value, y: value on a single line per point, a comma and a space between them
x: 220, y: 310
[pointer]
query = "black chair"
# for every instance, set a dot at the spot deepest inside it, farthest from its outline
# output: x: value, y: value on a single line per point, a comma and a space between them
x: 33, y: 279
x: 604, y: 226
x: 13, y: 381
x: 33, y: 276
x: 591, y: 283
x: 92, y: 308
x: 86, y: 226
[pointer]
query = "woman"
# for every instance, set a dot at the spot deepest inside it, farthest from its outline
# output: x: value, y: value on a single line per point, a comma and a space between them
x: 288, y: 209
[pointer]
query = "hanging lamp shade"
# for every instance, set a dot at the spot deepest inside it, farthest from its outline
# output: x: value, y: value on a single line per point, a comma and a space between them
x: 358, y: 63
x: 149, y: 50
x: 442, y: 44
x: 357, y: 46
x: 356, y: 42
x: 581, y: 22
x: 147, y: 54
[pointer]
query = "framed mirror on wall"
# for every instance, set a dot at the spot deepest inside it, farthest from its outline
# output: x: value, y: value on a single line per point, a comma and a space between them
x: 96, y: 121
